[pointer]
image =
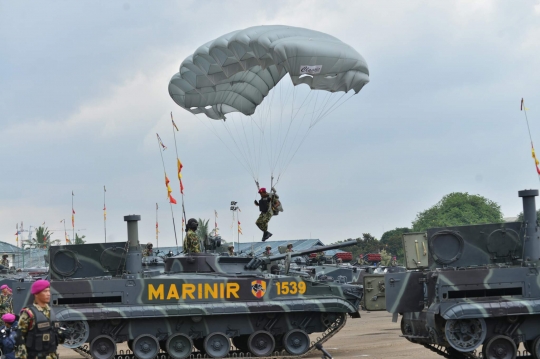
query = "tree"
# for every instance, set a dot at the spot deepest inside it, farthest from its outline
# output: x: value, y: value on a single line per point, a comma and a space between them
x: 457, y: 209
x: 79, y: 240
x: 392, y: 241
x: 369, y: 244
x: 202, y: 229
x: 520, y: 216
x: 41, y: 240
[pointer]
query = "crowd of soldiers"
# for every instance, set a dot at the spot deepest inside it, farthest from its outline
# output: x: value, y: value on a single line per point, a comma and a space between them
x: 34, y: 335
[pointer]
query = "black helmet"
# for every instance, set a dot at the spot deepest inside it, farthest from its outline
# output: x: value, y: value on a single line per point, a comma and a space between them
x: 192, y: 224
x: 149, y: 245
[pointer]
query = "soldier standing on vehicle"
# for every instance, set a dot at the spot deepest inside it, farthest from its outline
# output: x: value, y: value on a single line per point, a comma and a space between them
x: 191, y: 241
x: 6, y: 300
x: 289, y: 248
x: 148, y: 251
x: 267, y: 251
x: 231, y: 251
x: 394, y: 261
x: 5, y: 261
x: 37, y: 326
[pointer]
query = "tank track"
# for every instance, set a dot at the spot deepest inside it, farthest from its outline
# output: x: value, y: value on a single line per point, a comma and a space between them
x: 443, y: 351
x: 332, y: 330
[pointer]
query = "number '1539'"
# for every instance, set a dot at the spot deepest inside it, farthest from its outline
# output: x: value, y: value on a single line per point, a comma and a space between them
x: 284, y: 288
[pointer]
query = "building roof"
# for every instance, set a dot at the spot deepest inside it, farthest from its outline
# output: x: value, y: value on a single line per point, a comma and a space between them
x: 8, y: 248
x: 259, y: 247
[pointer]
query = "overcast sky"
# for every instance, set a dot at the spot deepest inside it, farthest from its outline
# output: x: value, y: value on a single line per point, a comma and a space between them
x: 83, y: 90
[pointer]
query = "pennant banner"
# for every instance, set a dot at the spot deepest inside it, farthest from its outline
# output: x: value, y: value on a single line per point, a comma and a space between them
x: 240, y: 228
x: 174, y: 124
x: 161, y: 142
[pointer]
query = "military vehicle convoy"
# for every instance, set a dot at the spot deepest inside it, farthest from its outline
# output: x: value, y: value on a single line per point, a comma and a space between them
x: 198, y: 306
x: 471, y: 286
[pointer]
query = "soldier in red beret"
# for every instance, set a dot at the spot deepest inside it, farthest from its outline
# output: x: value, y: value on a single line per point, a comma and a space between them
x: 39, y: 333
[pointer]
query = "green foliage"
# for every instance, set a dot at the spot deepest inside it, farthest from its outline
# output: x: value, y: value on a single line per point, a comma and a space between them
x: 202, y: 229
x: 458, y: 209
x: 41, y: 240
x: 369, y: 244
x: 392, y: 241
x: 520, y: 216
x: 79, y: 240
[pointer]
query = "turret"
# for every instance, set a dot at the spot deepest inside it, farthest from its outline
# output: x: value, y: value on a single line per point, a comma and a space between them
x: 134, y: 255
x: 531, y: 242
x: 260, y: 261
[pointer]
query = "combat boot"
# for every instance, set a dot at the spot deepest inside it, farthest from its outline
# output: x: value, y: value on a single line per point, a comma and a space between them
x: 266, y: 235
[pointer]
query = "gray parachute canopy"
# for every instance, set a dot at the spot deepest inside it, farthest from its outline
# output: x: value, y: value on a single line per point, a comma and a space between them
x: 235, y: 72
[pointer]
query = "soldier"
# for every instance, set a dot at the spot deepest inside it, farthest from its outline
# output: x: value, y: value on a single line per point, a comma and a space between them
x: 319, y: 257
x: 289, y: 248
x: 231, y: 251
x: 8, y: 336
x: 361, y: 260
x: 339, y: 261
x: 267, y: 251
x: 37, y: 327
x: 191, y: 241
x: 6, y: 300
x: 268, y: 205
x: 5, y: 261
x: 148, y: 250
x: 394, y: 261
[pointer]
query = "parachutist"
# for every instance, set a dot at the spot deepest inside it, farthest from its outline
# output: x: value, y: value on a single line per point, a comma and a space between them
x: 269, y: 205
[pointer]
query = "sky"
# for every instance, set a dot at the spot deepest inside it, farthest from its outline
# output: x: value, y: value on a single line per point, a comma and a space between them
x: 84, y: 89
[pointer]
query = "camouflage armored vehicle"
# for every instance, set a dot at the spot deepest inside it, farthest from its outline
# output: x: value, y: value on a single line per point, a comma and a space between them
x: 103, y: 294
x: 471, y: 286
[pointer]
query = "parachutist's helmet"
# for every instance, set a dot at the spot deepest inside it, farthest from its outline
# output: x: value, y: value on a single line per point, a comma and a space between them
x: 192, y: 224
x: 268, y: 247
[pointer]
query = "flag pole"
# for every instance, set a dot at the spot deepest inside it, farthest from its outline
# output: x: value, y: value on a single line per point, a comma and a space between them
x: 524, y: 109
x: 179, y: 174
x: 170, y: 203
x: 157, y: 227
x: 104, y: 213
x: 72, y: 215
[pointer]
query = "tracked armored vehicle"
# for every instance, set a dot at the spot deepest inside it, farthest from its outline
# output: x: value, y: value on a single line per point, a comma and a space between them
x: 203, y: 301
x: 471, y: 287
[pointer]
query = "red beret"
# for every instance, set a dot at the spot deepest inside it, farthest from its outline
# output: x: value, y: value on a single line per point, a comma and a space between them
x: 262, y: 190
x: 39, y: 286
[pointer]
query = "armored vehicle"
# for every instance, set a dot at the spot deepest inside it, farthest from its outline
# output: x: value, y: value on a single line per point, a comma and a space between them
x: 471, y: 286
x: 103, y: 296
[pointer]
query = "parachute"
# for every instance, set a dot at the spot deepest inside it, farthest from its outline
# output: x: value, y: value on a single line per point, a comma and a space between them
x: 239, y: 80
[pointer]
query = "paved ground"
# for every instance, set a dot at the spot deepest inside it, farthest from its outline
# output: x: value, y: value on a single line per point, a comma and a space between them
x: 373, y: 336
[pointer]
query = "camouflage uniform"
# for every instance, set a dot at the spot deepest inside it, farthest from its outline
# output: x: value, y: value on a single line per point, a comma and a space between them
x: 267, y: 253
x: 231, y: 252
x: 147, y: 252
x: 25, y: 324
x: 191, y: 242
x: 262, y: 221
x: 5, y: 262
x: 6, y: 305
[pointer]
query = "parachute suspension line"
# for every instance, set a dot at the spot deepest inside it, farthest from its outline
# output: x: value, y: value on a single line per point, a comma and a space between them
x: 332, y: 108
x: 213, y: 130
x: 293, y: 116
x: 240, y: 150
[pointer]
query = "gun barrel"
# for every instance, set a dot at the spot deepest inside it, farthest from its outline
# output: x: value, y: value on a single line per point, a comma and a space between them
x: 257, y: 262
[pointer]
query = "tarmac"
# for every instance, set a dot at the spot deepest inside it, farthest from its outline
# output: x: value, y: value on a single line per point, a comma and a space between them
x: 373, y: 336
